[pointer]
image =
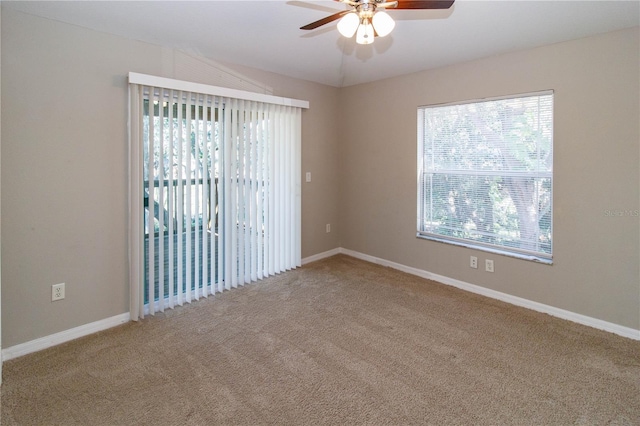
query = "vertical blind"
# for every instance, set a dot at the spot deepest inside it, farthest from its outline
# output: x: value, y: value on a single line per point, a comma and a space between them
x: 485, y: 174
x: 214, y: 191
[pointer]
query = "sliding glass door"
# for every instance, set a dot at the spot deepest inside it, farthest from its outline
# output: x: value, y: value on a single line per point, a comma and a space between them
x: 216, y: 197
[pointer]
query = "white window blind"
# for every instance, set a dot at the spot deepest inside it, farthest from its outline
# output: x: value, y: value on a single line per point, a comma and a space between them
x: 214, y: 191
x: 485, y: 172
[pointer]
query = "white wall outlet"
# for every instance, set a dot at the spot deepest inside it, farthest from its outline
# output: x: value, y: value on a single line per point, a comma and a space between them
x: 308, y: 177
x: 57, y: 292
x: 328, y: 228
x: 473, y: 262
x: 488, y: 265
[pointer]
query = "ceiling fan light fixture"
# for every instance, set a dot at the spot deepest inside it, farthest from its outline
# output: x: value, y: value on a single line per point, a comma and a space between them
x: 365, y: 32
x: 348, y: 25
x: 383, y: 23
x: 368, y: 19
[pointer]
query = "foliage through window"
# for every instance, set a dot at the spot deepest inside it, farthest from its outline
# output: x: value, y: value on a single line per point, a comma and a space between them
x: 485, y: 172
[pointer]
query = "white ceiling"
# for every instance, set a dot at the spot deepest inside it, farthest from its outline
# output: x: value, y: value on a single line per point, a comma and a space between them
x: 266, y: 35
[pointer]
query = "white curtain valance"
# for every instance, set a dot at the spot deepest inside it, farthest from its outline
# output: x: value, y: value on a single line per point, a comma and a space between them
x: 187, y: 86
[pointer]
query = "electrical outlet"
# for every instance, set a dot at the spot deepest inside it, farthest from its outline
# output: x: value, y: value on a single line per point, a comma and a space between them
x: 308, y: 176
x: 488, y: 265
x: 57, y: 292
x: 328, y: 228
x: 473, y: 262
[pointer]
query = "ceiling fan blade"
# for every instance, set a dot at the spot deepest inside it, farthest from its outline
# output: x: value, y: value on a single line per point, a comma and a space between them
x: 349, y: 2
x: 323, y: 21
x: 424, y: 4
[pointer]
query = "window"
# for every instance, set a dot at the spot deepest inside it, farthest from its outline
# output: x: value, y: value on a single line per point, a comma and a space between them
x: 485, y: 171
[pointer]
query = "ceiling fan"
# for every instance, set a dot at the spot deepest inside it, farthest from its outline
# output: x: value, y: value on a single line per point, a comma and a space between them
x: 368, y: 17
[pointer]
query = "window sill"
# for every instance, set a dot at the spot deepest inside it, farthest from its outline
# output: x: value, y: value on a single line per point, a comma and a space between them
x: 461, y: 243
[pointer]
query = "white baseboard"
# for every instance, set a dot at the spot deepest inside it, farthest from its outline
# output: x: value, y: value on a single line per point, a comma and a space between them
x: 620, y: 330
x: 84, y: 330
x: 94, y: 327
x: 320, y: 256
x: 63, y: 336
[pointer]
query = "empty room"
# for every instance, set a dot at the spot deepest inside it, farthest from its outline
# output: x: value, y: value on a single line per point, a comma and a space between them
x: 320, y: 212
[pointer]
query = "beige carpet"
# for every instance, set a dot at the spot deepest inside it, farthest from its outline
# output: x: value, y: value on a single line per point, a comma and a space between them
x: 338, y: 341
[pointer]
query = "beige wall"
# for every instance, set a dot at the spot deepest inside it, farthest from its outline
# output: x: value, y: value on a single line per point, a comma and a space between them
x: 64, y: 168
x: 596, y: 168
x: 64, y: 165
x: 0, y: 194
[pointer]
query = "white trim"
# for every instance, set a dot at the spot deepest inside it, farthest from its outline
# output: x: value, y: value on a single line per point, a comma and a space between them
x: 492, y: 98
x: 620, y: 330
x: 321, y: 256
x: 489, y: 248
x: 186, y: 86
x: 63, y: 336
x: 94, y: 327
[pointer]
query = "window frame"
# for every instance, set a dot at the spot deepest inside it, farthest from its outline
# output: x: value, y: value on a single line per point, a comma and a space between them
x: 546, y: 258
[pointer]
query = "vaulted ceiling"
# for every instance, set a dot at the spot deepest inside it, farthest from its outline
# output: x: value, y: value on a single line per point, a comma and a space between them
x: 266, y: 35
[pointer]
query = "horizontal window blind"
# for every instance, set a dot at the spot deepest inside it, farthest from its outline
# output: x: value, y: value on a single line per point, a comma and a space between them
x: 214, y: 193
x: 486, y: 173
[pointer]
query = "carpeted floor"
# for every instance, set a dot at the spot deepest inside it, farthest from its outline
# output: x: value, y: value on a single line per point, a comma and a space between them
x: 339, y: 341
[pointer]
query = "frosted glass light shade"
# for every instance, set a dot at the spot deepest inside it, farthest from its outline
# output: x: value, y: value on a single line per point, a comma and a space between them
x: 383, y: 23
x: 365, y: 33
x: 348, y: 24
